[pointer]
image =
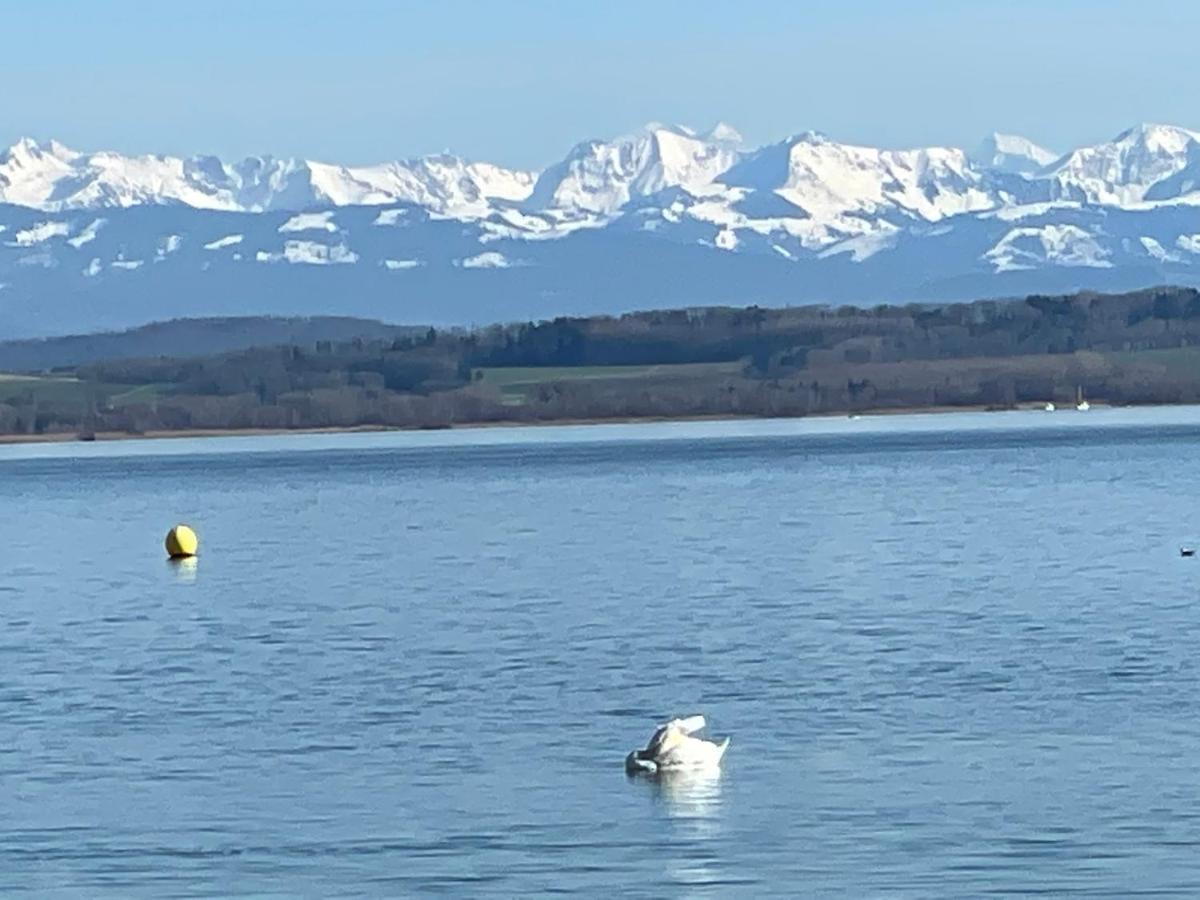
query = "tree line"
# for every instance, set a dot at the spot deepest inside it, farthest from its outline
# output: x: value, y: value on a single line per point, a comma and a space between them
x: 1137, y: 347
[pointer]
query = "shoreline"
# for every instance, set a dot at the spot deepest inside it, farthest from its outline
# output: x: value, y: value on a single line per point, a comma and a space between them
x: 112, y: 436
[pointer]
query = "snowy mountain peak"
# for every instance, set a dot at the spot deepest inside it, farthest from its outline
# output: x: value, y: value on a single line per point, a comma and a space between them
x: 842, y: 191
x: 1165, y: 138
x: 724, y: 133
x: 1012, y: 153
x: 600, y: 177
x: 686, y: 215
x: 810, y: 136
x: 808, y: 191
x: 1144, y: 163
x: 52, y: 177
x: 26, y: 150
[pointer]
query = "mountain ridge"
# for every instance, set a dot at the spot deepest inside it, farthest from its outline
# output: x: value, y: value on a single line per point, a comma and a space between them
x: 665, y: 215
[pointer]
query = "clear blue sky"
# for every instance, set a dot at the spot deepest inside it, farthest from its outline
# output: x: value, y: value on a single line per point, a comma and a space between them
x: 519, y: 82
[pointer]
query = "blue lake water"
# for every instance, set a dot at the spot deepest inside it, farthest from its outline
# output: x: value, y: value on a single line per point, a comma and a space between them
x: 957, y: 655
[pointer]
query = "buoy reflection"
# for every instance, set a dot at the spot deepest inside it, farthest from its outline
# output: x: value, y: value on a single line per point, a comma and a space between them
x: 184, y: 568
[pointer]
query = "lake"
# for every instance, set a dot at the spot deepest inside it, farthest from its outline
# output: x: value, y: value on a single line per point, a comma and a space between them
x: 957, y: 655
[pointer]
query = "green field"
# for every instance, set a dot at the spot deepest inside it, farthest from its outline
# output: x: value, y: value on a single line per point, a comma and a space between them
x: 514, y: 384
x: 65, y: 390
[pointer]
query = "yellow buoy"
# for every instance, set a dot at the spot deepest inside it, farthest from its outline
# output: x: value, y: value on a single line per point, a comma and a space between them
x: 181, y: 542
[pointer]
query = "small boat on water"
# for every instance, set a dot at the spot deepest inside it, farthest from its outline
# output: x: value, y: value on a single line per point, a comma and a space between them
x: 1081, y: 404
x: 1187, y: 551
x: 674, y: 747
x: 1049, y: 407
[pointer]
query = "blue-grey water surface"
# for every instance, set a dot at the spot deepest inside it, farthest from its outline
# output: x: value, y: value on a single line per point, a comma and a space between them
x: 958, y: 655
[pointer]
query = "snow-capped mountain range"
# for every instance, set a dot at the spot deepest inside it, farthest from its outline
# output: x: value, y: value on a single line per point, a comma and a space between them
x: 665, y: 216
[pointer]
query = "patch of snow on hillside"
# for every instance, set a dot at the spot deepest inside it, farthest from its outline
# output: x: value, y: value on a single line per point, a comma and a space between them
x: 1029, y: 210
x: 864, y: 246
x: 550, y: 225
x: 488, y: 260
x: 168, y: 245
x: 321, y: 221
x: 726, y: 240
x: 127, y: 264
x: 228, y: 241
x: 94, y: 268
x: 395, y: 264
x: 310, y: 253
x: 1188, y: 242
x: 88, y: 234
x: 391, y: 217
x: 1061, y: 245
x: 1158, y: 251
x: 43, y: 231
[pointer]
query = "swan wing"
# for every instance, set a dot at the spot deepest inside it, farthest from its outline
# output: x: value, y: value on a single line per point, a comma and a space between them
x: 664, y: 737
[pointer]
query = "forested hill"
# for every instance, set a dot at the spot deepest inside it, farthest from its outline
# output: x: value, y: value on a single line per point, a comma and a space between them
x: 1141, y: 347
x: 190, y: 337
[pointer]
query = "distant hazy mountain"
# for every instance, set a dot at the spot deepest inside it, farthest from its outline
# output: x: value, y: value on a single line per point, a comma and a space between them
x: 189, y: 337
x: 667, y: 216
x: 1012, y: 153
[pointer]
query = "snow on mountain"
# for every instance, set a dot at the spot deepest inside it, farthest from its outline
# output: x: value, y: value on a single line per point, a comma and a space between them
x: 1146, y: 163
x: 822, y: 192
x: 600, y: 177
x: 1011, y: 153
x: 663, y: 216
x: 169, y: 244
x: 723, y: 133
x: 29, y: 172
x: 488, y: 260
x: 310, y: 253
x: 444, y: 184
x: 43, y: 231
x: 1157, y: 251
x: 87, y: 235
x: 228, y: 241
x: 54, y: 178
x: 827, y: 179
x: 322, y: 221
x: 1064, y: 245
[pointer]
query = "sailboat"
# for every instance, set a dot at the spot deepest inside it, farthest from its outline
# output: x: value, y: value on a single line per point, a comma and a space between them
x: 1080, y: 403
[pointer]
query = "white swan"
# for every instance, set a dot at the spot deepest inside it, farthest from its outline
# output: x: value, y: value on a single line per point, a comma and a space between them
x: 673, y: 747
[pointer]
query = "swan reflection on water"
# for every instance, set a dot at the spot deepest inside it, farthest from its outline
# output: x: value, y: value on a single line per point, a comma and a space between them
x: 691, y: 854
x: 689, y: 793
